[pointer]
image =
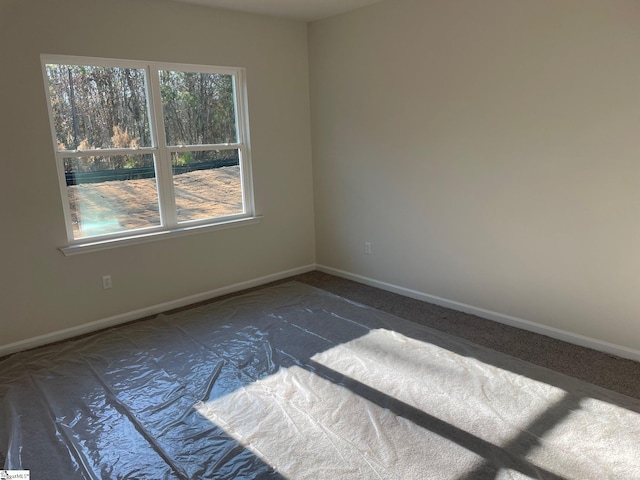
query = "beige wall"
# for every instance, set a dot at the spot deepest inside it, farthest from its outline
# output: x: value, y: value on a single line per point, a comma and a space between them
x: 490, y: 151
x: 42, y: 291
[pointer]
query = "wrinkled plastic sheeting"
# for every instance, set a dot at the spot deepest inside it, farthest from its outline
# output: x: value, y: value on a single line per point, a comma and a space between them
x: 293, y: 382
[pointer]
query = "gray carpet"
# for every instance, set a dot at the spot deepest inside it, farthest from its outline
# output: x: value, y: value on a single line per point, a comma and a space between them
x: 614, y: 373
x: 608, y: 371
x: 291, y: 381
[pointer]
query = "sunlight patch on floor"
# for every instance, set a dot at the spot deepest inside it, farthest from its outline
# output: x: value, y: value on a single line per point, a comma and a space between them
x: 308, y: 427
x: 592, y: 441
x: 385, y: 405
x: 486, y: 401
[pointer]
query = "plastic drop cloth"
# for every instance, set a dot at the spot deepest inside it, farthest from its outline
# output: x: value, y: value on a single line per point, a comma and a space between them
x: 294, y: 382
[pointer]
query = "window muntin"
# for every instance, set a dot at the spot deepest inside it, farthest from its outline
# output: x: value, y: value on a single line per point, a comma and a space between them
x: 144, y: 147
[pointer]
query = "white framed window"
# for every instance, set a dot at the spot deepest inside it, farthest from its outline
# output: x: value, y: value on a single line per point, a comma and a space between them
x: 147, y: 149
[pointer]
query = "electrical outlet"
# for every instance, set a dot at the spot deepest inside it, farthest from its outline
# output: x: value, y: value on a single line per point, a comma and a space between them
x: 106, y: 282
x: 367, y: 248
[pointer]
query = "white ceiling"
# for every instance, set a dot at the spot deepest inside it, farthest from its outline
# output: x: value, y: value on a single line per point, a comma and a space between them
x: 306, y: 10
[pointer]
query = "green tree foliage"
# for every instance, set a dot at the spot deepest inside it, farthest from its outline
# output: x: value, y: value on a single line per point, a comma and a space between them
x: 89, y: 102
x: 106, y: 107
x: 198, y: 108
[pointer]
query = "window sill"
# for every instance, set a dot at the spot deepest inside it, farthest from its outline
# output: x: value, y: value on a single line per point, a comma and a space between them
x: 97, y: 245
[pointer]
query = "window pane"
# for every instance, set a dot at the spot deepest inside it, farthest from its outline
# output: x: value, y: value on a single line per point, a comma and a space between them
x: 111, y: 194
x: 198, y: 108
x: 98, y: 107
x: 207, y: 184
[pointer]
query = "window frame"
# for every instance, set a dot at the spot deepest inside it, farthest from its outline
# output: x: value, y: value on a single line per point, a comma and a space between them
x: 169, y: 226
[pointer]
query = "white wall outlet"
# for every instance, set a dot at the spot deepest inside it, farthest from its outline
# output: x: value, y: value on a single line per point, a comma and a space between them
x: 367, y: 248
x: 106, y: 282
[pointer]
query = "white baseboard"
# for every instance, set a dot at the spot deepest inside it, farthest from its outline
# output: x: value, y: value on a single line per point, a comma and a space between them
x: 145, y: 312
x: 552, y: 332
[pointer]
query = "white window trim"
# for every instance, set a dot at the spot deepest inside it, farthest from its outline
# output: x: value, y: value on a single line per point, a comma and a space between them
x: 100, y: 244
x: 170, y: 227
